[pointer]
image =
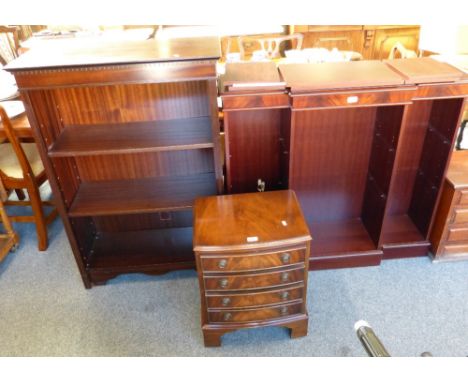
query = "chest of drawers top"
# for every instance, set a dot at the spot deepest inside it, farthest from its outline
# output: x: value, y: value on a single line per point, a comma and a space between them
x: 248, y: 222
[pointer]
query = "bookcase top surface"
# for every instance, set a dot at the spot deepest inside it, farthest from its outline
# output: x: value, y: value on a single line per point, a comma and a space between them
x: 425, y: 70
x: 92, y: 52
x: 251, y: 75
x: 252, y: 220
x: 338, y: 75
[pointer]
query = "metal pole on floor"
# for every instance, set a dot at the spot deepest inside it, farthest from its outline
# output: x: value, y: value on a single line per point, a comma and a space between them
x: 369, y: 340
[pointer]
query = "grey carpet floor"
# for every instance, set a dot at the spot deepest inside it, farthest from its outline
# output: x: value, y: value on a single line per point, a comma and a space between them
x: 413, y: 306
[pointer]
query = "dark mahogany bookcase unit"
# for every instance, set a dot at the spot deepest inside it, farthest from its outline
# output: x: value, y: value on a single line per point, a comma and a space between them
x: 425, y: 147
x: 256, y: 126
x: 345, y: 125
x: 129, y: 136
x: 370, y: 143
x: 369, y: 147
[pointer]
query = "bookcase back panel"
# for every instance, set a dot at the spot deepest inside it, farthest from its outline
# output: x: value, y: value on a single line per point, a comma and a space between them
x: 116, y: 103
x: 253, y: 149
x: 145, y: 165
x: 123, y: 223
x: 330, y: 152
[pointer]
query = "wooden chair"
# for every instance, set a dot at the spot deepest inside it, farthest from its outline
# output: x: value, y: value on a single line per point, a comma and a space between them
x: 21, y: 168
x: 399, y: 51
x: 9, y: 43
x: 270, y: 45
x: 8, y: 240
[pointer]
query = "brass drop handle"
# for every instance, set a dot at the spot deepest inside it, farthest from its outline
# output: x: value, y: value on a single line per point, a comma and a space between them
x: 285, y: 257
x: 284, y: 310
x: 285, y: 277
x: 225, y: 301
x: 223, y: 283
x: 227, y: 316
x: 284, y: 295
x: 222, y: 263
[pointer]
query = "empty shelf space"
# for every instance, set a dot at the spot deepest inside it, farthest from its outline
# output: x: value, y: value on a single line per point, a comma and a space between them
x: 339, y: 237
x: 141, y: 195
x: 142, y: 251
x: 400, y: 229
x: 133, y: 137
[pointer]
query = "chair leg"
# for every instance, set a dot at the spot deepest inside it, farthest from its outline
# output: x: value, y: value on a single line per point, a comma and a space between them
x: 41, y: 227
x: 20, y: 193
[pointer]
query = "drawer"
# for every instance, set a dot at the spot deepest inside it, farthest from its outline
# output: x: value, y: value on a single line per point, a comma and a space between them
x: 459, y: 216
x: 463, y: 197
x: 352, y: 99
x: 457, y: 234
x: 255, y: 299
x: 456, y: 249
x: 249, y: 315
x: 254, y: 281
x: 255, y: 101
x: 251, y: 262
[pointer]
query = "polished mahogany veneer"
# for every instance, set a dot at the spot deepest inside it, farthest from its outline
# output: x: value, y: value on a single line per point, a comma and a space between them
x: 449, y: 234
x: 425, y: 71
x: 252, y: 254
x: 129, y: 136
x: 305, y: 78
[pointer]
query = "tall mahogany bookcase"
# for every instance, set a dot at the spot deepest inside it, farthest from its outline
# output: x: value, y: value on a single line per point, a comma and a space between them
x: 129, y: 136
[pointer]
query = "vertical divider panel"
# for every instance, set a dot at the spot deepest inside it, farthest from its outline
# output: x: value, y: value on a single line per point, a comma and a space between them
x: 46, y: 126
x: 285, y: 146
x: 212, y: 90
x: 438, y: 144
x: 387, y: 130
x: 85, y: 232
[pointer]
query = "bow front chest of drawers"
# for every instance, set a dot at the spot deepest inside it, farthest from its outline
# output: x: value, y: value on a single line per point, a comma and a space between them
x: 252, y: 255
x: 449, y: 235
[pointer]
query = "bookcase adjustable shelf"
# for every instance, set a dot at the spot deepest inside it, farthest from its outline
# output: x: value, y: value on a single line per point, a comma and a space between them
x: 129, y: 136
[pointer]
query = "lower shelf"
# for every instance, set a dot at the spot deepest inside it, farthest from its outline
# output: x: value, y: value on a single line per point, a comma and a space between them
x: 335, y: 244
x: 131, y: 196
x: 400, y: 229
x: 401, y: 238
x: 150, y: 251
x: 341, y: 243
